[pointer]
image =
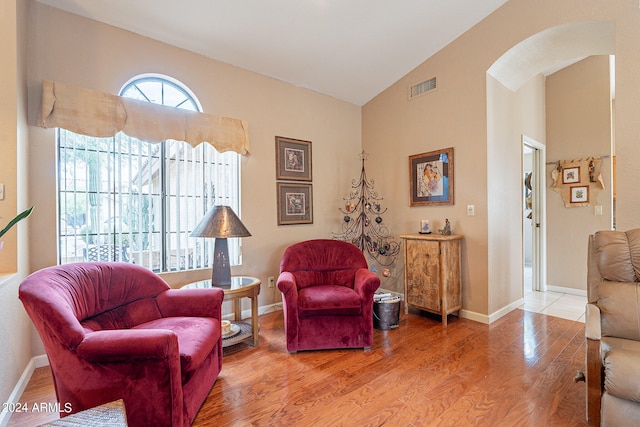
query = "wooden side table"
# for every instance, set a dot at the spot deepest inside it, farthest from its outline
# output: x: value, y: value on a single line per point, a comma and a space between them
x: 241, y: 287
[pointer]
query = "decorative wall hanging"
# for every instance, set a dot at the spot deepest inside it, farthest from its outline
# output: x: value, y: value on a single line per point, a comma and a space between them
x: 431, y: 178
x: 293, y: 159
x: 578, y: 181
x: 363, y: 223
x: 295, y: 203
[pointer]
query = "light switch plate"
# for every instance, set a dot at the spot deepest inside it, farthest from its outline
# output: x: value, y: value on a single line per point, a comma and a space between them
x: 471, y: 210
x: 1, y: 191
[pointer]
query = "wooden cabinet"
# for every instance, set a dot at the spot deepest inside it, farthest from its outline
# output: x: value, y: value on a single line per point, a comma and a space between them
x: 432, y: 273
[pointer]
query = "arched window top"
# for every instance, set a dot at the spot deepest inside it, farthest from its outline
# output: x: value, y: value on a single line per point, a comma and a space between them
x: 163, y: 90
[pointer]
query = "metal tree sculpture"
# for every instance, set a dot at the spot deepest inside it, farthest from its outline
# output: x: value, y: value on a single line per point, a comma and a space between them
x: 363, y: 225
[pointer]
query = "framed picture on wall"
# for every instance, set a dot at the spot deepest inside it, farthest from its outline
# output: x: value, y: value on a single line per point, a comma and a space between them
x: 431, y: 178
x: 580, y: 194
x: 571, y: 175
x: 293, y: 159
x: 295, y: 203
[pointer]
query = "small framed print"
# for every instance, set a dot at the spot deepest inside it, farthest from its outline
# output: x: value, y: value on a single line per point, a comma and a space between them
x: 571, y: 175
x: 580, y: 194
x: 293, y: 159
x: 295, y: 203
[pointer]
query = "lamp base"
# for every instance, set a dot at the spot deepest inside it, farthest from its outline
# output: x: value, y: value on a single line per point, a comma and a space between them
x: 221, y: 276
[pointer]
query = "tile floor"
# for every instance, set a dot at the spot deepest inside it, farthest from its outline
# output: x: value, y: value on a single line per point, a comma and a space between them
x: 556, y: 304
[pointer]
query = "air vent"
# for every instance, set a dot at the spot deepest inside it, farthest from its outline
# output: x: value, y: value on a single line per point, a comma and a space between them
x: 422, y: 88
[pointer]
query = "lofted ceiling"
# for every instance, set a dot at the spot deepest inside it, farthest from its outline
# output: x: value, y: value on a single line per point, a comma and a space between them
x: 348, y: 49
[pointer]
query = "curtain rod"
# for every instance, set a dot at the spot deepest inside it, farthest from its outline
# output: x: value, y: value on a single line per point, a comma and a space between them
x: 606, y: 156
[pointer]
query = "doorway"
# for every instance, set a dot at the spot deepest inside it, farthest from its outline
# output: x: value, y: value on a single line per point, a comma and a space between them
x: 534, y: 227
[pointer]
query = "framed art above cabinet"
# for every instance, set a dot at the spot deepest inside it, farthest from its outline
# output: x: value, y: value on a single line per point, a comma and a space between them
x: 431, y: 178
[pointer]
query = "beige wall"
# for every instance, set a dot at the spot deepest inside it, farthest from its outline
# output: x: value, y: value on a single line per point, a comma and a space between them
x: 15, y: 327
x: 8, y: 133
x: 104, y: 58
x: 456, y: 115
x: 578, y: 113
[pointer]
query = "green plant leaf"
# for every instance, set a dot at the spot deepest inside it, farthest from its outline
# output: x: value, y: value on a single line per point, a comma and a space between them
x: 22, y: 215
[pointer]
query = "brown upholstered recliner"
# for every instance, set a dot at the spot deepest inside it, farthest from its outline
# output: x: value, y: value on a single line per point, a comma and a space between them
x: 613, y: 328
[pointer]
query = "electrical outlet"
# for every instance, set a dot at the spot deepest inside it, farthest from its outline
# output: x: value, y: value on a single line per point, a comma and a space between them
x: 272, y: 281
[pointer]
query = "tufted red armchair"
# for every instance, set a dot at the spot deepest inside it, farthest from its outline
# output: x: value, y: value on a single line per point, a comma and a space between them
x: 327, y: 294
x: 117, y: 331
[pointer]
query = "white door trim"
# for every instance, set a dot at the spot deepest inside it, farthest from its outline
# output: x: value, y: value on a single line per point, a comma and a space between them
x: 539, y: 231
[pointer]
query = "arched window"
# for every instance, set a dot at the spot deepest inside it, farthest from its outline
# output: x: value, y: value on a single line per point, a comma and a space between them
x: 161, y: 90
x: 124, y: 199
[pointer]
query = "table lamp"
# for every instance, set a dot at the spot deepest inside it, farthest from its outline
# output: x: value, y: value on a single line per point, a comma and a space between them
x: 220, y: 222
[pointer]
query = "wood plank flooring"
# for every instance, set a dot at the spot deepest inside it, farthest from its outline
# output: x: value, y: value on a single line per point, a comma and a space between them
x: 517, y: 371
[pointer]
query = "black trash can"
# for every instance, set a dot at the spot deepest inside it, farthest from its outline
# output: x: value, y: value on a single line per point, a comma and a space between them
x: 386, y: 314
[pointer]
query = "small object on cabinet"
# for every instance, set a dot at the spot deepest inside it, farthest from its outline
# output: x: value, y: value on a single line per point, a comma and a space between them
x: 446, y: 231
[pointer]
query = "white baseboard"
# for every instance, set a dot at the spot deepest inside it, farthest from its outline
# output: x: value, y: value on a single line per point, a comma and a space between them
x: 476, y: 317
x: 261, y: 310
x: 505, y: 310
x: 266, y: 309
x: 488, y: 319
x: 14, y: 397
x: 571, y: 291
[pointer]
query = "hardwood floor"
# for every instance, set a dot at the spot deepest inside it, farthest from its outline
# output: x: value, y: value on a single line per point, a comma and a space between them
x: 517, y: 371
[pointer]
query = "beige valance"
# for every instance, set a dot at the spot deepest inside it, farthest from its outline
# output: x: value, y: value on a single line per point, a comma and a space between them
x: 99, y: 114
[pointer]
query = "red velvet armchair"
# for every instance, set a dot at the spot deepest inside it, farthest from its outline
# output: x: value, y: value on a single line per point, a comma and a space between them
x: 117, y: 331
x: 327, y: 293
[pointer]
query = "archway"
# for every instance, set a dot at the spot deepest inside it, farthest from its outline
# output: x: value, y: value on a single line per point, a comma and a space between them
x: 515, y: 87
